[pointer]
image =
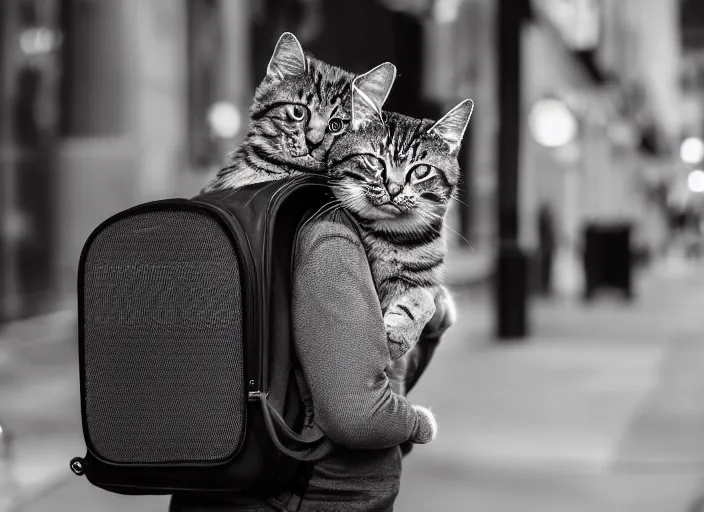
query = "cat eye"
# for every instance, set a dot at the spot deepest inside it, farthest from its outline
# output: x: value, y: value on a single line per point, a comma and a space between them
x: 335, y: 125
x: 298, y: 112
x: 422, y: 173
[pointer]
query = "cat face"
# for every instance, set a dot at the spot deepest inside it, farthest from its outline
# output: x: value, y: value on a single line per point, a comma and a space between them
x: 396, y: 171
x: 302, y: 105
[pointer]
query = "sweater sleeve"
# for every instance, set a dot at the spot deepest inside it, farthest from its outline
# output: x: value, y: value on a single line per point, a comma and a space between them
x: 341, y: 341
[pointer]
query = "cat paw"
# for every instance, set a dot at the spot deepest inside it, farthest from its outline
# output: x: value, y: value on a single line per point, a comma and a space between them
x: 405, y: 319
x: 400, y: 335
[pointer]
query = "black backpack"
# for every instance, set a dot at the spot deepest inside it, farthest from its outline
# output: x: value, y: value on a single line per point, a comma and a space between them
x: 188, y: 375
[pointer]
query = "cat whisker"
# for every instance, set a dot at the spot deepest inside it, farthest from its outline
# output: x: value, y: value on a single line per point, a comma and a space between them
x: 445, y: 226
x: 459, y: 201
x: 463, y: 238
x: 329, y: 208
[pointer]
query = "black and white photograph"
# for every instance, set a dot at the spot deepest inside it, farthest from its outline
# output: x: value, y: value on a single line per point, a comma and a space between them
x: 351, y: 255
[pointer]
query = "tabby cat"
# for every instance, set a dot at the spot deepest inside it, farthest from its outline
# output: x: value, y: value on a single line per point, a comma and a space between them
x: 396, y: 175
x: 299, y: 108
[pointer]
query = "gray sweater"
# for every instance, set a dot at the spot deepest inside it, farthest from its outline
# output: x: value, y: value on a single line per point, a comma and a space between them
x: 341, y: 340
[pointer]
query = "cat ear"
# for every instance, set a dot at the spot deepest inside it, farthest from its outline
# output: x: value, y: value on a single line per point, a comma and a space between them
x: 369, y: 92
x: 288, y: 58
x: 377, y: 83
x: 452, y: 126
x: 364, y: 111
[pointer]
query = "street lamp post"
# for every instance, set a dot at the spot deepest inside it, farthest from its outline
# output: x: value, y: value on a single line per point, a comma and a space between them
x: 511, y: 265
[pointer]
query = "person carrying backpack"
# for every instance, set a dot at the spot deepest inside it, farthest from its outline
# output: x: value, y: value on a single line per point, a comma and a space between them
x: 236, y: 360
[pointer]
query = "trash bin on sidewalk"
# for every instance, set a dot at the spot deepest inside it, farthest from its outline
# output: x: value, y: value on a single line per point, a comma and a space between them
x: 608, y: 259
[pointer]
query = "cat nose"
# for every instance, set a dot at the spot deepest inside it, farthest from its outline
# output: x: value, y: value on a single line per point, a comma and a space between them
x: 393, y: 188
x: 314, y: 137
x: 315, y: 131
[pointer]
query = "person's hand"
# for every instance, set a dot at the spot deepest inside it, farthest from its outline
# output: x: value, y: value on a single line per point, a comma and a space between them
x: 427, y: 427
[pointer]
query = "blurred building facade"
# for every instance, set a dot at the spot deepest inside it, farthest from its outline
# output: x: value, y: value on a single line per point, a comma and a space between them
x: 115, y: 105
x: 109, y: 103
x: 692, y: 110
x: 28, y: 133
x: 621, y: 86
x: 103, y: 92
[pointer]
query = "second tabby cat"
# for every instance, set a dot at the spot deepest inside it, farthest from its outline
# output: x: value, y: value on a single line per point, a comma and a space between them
x: 396, y: 175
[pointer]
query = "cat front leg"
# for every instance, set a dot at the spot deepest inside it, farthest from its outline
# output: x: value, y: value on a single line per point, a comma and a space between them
x: 444, y: 317
x: 406, y: 317
x: 417, y: 359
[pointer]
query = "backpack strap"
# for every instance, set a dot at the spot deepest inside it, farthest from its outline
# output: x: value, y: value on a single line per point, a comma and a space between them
x: 313, y: 445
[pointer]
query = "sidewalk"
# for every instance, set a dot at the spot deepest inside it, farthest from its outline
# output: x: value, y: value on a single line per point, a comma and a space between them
x: 39, y: 413
x: 601, y: 410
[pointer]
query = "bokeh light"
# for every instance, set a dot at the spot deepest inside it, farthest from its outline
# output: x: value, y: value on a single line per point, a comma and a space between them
x: 692, y: 150
x: 225, y: 120
x: 695, y: 181
x: 35, y: 41
x: 552, y: 123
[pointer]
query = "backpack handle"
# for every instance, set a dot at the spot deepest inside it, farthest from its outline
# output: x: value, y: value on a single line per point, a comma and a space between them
x: 316, y: 446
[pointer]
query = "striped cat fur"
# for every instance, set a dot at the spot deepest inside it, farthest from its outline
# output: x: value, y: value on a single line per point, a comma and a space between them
x: 397, y: 175
x: 301, y: 106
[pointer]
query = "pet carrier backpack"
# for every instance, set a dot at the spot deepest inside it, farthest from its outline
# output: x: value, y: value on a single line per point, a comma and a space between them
x: 187, y: 369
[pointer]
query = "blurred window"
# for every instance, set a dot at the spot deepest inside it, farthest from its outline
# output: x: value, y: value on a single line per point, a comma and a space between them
x: 577, y: 21
x: 93, y: 82
x: 692, y: 21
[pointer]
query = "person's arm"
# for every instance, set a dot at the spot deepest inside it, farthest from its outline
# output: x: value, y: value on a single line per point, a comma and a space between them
x: 341, y: 344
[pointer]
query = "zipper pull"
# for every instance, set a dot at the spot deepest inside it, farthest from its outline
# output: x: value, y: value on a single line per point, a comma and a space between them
x: 253, y: 393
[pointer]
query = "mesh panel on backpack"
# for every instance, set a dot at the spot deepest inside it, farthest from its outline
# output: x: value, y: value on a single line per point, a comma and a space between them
x: 163, y: 342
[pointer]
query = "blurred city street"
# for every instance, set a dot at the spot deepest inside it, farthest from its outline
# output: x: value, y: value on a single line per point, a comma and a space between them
x: 602, y: 409
x: 581, y: 171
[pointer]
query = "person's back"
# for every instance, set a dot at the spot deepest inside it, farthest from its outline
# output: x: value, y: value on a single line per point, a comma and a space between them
x: 341, y: 345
